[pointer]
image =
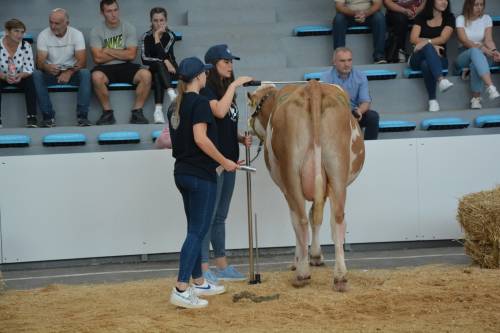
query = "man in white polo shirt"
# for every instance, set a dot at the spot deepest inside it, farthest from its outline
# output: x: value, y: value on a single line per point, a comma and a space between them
x: 61, y: 59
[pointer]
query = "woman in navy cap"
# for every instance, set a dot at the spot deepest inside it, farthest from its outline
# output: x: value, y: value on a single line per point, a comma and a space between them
x: 221, y: 92
x: 194, y: 146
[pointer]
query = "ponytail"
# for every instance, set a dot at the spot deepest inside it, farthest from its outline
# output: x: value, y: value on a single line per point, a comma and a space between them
x: 175, y: 118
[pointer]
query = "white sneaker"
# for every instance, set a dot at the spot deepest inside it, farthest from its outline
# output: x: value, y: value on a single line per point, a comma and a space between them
x: 401, y: 56
x: 208, y: 289
x: 158, y: 115
x: 492, y: 92
x: 187, y: 299
x: 475, y: 103
x: 171, y: 94
x: 444, y: 85
x: 433, y: 105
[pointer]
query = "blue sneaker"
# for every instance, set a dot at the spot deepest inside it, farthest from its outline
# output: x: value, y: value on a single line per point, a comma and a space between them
x: 229, y: 274
x: 210, y: 277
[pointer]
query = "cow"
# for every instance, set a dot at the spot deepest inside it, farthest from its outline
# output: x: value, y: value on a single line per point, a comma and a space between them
x: 313, y: 149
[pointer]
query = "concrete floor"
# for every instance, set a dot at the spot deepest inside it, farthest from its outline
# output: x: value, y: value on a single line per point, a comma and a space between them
x: 37, y: 276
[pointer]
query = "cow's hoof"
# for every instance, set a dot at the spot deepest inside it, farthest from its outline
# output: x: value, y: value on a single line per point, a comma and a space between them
x: 316, y: 261
x: 340, y: 285
x: 301, y: 281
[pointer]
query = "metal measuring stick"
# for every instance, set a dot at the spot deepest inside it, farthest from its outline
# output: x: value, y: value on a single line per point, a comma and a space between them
x: 257, y: 83
x: 257, y: 274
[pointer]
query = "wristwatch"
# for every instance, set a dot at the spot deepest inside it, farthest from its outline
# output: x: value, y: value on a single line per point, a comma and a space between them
x: 430, y: 41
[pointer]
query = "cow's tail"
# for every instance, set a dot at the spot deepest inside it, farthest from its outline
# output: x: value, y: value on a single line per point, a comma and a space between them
x: 315, y: 95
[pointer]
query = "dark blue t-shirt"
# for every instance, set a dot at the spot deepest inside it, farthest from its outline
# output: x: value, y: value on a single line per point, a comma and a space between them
x: 227, y: 127
x: 189, y: 158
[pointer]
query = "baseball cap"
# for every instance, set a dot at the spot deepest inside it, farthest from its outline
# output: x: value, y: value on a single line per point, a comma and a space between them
x: 218, y: 52
x: 191, y: 67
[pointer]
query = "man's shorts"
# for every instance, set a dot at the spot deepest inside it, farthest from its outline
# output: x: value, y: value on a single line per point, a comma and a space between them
x: 119, y: 73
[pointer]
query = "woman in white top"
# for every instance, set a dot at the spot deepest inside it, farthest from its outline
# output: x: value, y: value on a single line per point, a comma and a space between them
x: 474, y: 29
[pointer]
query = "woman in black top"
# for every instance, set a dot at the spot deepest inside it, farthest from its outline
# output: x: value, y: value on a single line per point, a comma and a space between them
x: 430, y: 33
x: 157, y: 51
x: 221, y: 92
x: 194, y: 145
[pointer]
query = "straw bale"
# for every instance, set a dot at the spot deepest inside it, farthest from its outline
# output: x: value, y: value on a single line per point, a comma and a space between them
x: 479, y: 216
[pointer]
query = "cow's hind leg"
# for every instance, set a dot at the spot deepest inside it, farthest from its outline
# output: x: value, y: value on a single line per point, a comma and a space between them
x: 337, y: 203
x: 301, y: 259
x: 316, y: 258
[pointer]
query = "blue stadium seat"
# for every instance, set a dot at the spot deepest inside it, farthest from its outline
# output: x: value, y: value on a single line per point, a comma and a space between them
x: 371, y: 74
x: 64, y: 139
x: 108, y: 138
x: 493, y: 69
x: 411, y: 74
x: 155, y: 135
x: 14, y: 140
x: 490, y: 120
x: 321, y: 30
x: 496, y: 20
x: 178, y: 35
x: 396, y: 125
x: 27, y: 37
x: 444, y: 123
x: 62, y: 87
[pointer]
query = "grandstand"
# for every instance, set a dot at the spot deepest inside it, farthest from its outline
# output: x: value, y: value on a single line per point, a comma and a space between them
x: 94, y: 200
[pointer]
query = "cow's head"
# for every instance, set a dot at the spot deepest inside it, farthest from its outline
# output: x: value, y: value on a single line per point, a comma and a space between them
x: 261, y: 102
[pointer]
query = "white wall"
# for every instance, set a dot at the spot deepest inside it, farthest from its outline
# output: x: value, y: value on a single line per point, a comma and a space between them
x: 121, y: 203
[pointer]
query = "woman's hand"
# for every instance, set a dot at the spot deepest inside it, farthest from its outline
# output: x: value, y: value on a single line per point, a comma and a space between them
x: 241, y: 81
x: 246, y: 140
x: 229, y: 165
x: 496, y: 56
x: 439, y: 50
x: 170, y: 67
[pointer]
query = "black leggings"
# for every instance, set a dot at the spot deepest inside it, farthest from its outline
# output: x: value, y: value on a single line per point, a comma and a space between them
x: 162, y: 80
x: 398, y: 24
x: 29, y: 94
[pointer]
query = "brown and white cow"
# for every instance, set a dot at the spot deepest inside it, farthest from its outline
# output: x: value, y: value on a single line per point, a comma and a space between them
x: 313, y: 149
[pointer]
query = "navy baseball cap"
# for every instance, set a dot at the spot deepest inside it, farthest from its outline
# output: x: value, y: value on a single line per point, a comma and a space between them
x: 218, y: 52
x: 191, y: 67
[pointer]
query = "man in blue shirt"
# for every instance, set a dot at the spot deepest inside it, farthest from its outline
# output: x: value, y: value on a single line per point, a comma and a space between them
x: 355, y: 83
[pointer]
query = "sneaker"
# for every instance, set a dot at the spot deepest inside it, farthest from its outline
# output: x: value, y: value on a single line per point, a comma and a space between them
x: 492, y: 92
x: 401, y: 56
x: 208, y: 289
x: 444, y: 85
x: 229, y: 274
x: 83, y: 121
x: 137, y: 117
x: 433, y: 105
x: 107, y: 118
x: 380, y: 60
x: 31, y: 122
x: 187, y: 299
x: 475, y: 103
x: 210, y: 277
x: 48, y: 123
x: 158, y: 116
x: 171, y: 94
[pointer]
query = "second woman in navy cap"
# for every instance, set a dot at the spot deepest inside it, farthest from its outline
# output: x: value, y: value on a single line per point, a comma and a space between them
x: 221, y: 91
x: 193, y: 131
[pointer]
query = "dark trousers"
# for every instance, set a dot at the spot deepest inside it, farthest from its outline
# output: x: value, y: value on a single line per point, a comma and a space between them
x: 370, y: 123
x: 397, y: 23
x: 162, y: 80
x: 431, y: 64
x: 198, y: 196
x: 29, y: 94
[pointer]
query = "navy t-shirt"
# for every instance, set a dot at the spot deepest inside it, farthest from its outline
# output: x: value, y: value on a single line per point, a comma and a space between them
x: 189, y: 158
x: 227, y: 127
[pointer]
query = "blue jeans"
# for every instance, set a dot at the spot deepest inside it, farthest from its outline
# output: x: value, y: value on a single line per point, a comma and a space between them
x: 431, y: 64
x: 376, y: 22
x: 81, y: 78
x: 198, y: 196
x: 217, y: 231
x: 479, y: 65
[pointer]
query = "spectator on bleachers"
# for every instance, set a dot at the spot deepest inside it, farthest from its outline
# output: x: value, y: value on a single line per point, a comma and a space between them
x: 157, y: 52
x: 195, y: 148
x: 360, y: 12
x: 478, y: 50
x: 221, y: 92
x: 114, y: 46
x: 17, y: 65
x: 355, y: 83
x: 430, y: 33
x: 399, y: 14
x: 61, y: 59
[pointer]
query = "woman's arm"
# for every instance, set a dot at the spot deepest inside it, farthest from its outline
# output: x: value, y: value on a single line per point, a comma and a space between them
x: 462, y: 38
x: 394, y: 7
x: 221, y: 107
x: 203, y: 142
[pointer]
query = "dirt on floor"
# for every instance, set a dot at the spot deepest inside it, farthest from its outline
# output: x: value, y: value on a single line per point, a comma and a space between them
x: 424, y: 299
